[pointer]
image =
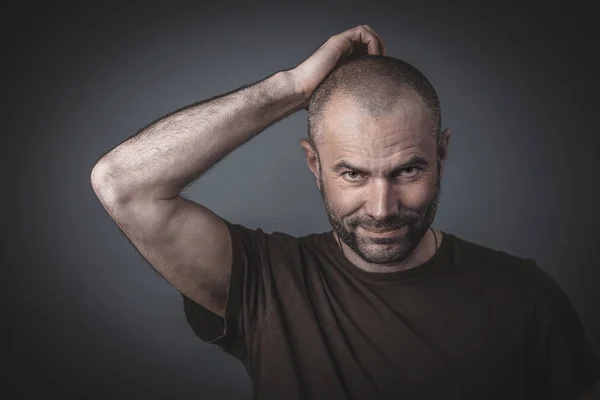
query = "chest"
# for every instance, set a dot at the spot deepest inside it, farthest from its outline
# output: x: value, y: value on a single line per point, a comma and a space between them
x: 349, y: 339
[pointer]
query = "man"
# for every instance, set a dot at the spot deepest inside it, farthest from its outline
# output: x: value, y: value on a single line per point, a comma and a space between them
x: 381, y: 307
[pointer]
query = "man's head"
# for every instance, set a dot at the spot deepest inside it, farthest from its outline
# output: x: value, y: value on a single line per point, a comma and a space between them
x: 370, y: 115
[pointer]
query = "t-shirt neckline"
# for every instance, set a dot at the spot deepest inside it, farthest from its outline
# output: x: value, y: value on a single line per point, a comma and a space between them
x: 436, y: 260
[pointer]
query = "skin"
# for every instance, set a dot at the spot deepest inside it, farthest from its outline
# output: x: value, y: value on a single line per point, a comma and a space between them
x: 370, y: 196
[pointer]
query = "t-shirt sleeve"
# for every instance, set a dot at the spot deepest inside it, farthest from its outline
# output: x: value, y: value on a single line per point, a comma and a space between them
x: 256, y: 266
x: 561, y: 361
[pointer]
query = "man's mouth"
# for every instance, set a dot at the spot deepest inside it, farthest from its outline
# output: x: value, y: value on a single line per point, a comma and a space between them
x: 386, y: 231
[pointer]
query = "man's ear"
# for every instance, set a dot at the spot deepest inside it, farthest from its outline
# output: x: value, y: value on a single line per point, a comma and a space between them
x: 442, y: 148
x: 311, y: 160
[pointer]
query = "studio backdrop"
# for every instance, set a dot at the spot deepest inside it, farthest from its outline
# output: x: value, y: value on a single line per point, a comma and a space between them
x: 89, y: 317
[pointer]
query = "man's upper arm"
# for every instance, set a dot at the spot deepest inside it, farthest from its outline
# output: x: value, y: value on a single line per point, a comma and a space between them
x: 191, y: 248
x: 186, y: 243
x: 225, y: 272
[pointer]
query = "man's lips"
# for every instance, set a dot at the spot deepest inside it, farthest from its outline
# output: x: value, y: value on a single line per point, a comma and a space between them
x: 383, y: 232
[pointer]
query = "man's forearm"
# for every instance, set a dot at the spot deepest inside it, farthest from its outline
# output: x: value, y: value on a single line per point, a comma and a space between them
x: 169, y: 154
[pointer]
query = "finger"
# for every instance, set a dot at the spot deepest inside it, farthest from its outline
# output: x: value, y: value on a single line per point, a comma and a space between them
x: 352, y: 41
x: 363, y: 35
x: 382, y: 46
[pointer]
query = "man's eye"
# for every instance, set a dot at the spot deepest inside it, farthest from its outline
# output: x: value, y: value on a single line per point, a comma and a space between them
x: 352, y: 175
x: 406, y: 172
x: 413, y: 169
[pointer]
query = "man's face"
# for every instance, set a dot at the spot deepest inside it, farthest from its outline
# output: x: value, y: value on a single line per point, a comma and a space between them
x: 379, y: 173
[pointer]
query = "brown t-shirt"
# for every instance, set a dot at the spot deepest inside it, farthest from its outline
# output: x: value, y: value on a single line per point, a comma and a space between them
x: 470, y: 323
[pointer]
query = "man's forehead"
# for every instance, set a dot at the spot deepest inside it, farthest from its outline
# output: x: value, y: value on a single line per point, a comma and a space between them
x: 388, y: 134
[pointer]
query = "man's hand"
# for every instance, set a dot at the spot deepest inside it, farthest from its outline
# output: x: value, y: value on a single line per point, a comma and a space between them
x: 312, y: 71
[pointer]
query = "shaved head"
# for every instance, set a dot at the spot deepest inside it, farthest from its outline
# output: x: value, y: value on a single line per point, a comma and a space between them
x: 377, y: 152
x: 378, y: 85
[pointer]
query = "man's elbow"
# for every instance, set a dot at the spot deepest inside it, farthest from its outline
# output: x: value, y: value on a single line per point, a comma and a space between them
x: 103, y: 185
x: 99, y: 180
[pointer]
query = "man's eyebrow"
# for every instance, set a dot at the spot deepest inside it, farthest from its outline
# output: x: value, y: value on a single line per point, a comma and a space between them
x: 413, y: 160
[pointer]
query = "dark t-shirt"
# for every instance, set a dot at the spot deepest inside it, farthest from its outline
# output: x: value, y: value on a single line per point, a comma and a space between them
x: 470, y: 323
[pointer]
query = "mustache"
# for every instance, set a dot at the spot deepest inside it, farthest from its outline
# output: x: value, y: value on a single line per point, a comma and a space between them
x: 394, y: 224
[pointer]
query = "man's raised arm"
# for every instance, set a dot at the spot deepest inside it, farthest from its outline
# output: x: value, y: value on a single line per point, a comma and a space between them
x: 139, y: 181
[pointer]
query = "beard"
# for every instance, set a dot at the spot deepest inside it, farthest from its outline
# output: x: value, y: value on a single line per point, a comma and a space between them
x: 388, y: 250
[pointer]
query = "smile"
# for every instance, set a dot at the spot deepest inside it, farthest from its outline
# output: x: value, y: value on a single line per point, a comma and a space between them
x: 383, y: 233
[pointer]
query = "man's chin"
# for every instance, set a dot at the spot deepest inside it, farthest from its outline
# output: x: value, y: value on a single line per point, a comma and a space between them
x: 385, y: 250
x: 384, y: 258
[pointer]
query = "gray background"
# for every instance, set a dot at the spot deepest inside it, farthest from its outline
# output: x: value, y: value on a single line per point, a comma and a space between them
x: 89, y: 318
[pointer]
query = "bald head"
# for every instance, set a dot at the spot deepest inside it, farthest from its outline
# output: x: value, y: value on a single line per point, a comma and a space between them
x: 378, y: 85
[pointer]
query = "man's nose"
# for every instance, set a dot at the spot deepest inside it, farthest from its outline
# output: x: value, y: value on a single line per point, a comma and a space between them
x: 383, y: 200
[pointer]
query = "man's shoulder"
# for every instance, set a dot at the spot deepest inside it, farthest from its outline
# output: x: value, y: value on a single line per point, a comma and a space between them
x: 472, y: 249
x: 497, y: 262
